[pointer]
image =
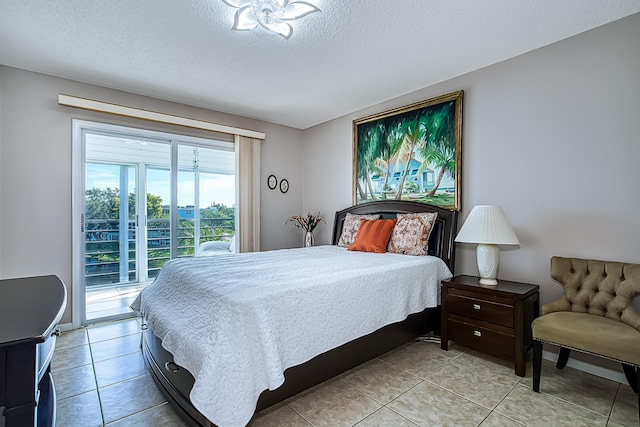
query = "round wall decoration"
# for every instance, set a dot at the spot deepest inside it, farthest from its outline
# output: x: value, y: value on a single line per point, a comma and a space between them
x: 284, y: 185
x: 272, y: 182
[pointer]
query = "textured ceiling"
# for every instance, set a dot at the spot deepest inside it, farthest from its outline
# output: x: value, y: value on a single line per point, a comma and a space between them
x: 352, y: 54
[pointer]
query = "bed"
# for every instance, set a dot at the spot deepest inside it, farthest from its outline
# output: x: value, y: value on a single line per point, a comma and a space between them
x: 265, y: 351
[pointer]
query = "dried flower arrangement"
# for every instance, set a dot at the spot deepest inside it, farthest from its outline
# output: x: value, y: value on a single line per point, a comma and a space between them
x: 307, y: 222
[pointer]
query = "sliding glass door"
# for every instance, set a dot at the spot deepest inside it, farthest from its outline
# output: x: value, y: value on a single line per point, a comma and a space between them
x: 206, y: 197
x: 126, y: 218
x: 146, y: 198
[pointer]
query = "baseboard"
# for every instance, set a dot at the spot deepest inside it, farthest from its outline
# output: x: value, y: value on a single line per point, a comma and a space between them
x: 590, y: 368
x: 64, y: 327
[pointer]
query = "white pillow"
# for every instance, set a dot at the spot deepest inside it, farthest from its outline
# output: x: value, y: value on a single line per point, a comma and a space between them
x: 213, y: 248
x: 232, y: 244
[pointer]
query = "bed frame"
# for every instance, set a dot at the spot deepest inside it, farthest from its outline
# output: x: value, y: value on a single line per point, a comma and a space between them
x: 176, y: 383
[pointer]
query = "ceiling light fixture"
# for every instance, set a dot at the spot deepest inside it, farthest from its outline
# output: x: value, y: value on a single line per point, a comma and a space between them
x: 270, y: 14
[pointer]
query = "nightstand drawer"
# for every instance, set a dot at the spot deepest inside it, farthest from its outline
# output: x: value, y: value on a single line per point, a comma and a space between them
x: 480, y: 309
x: 482, y: 339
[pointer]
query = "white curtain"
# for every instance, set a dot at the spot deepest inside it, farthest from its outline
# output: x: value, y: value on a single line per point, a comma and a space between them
x: 247, y: 194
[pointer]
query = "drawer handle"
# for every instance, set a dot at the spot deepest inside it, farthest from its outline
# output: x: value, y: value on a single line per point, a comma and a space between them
x: 476, y: 306
x: 477, y: 333
x: 171, y: 367
x: 56, y: 332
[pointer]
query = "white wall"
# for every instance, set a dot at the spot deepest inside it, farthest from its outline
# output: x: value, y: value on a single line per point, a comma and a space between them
x: 35, y: 169
x: 552, y: 136
x: 1, y: 133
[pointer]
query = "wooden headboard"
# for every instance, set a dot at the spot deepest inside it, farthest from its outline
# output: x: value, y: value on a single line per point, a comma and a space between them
x: 441, y: 240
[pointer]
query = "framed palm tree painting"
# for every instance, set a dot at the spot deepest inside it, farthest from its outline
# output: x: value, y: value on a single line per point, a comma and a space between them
x: 410, y: 153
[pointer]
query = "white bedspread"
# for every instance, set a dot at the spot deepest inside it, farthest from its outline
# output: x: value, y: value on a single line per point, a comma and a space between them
x: 236, y: 322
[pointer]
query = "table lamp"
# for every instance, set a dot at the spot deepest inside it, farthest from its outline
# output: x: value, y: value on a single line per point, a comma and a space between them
x: 487, y: 226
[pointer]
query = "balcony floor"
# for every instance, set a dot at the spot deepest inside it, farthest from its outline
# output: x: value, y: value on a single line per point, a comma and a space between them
x: 111, y: 302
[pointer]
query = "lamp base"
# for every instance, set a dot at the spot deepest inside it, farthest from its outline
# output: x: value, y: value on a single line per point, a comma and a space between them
x: 488, y: 282
x: 488, y: 258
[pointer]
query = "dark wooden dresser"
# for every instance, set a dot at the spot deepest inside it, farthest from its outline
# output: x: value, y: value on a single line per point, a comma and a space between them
x: 491, y: 319
x: 30, y: 309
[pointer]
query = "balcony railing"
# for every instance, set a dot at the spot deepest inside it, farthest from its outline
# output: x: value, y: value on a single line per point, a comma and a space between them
x: 102, y: 246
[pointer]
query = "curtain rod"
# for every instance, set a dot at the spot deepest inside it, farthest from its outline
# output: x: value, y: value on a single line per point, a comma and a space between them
x: 121, y: 110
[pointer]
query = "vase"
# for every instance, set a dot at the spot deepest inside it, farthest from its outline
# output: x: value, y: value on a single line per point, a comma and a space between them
x: 308, y: 239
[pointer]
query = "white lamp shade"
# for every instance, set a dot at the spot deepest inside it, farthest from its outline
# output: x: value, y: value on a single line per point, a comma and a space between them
x: 487, y: 224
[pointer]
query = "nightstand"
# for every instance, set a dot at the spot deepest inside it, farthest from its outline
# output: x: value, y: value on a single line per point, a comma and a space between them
x: 491, y: 319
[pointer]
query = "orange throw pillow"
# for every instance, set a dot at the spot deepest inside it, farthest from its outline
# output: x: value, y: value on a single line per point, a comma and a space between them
x: 373, y: 236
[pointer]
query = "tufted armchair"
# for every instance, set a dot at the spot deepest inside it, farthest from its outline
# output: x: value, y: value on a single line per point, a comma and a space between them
x: 595, y: 315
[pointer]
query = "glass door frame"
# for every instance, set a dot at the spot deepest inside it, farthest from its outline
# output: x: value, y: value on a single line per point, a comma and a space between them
x: 79, y: 161
x: 79, y: 128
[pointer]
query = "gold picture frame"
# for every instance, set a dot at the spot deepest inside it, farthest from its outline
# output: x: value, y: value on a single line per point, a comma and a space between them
x: 410, y: 153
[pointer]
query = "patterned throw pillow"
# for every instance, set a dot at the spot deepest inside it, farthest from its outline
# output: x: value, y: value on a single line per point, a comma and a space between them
x: 411, y: 233
x: 373, y: 236
x: 350, y: 228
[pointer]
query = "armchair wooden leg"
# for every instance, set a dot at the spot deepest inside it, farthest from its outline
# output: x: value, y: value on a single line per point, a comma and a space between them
x: 563, y: 357
x: 633, y: 376
x: 631, y: 373
x: 537, y: 364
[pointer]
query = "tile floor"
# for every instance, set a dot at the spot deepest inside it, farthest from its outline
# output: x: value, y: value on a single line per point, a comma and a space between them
x: 101, y: 380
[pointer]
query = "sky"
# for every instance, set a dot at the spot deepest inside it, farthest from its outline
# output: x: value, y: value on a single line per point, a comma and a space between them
x: 213, y: 188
